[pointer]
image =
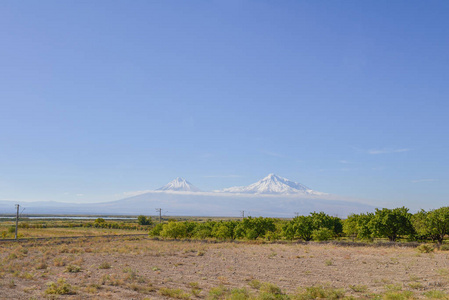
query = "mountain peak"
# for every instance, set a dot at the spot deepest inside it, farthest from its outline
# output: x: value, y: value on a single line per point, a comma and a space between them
x: 272, y: 184
x: 273, y: 176
x: 179, y: 184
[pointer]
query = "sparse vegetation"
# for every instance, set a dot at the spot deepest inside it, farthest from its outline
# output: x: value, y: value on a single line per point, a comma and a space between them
x: 416, y: 285
x: 218, y: 270
x: 319, y: 292
x: 219, y: 292
x: 255, y: 284
x: 424, y: 248
x: 359, y: 288
x: 73, y: 269
x: 174, y: 293
x: 444, y: 248
x: 435, y: 294
x: 61, y: 287
x: 105, y: 265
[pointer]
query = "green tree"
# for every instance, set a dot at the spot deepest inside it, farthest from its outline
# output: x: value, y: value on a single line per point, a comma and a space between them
x: 300, y: 226
x: 174, y: 230
x: 100, y: 221
x: 156, y: 230
x: 350, y: 226
x: 392, y: 223
x: 434, y: 224
x: 322, y: 234
x: 358, y: 225
x: 322, y: 220
x: 203, y: 230
x: 289, y: 231
x: 142, y: 220
x: 252, y: 228
x: 223, y: 230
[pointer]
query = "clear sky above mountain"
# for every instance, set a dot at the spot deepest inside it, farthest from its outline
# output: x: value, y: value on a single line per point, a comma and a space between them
x: 102, y: 98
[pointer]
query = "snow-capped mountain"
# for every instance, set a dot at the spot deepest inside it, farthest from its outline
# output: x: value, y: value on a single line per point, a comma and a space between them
x: 273, y: 184
x: 275, y: 197
x: 179, y: 184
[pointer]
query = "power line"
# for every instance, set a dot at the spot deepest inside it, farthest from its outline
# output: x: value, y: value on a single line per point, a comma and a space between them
x: 17, y: 220
x: 159, y: 210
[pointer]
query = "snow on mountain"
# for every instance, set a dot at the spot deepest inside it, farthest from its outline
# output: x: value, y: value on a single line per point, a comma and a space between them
x: 179, y: 184
x: 272, y: 196
x: 273, y: 184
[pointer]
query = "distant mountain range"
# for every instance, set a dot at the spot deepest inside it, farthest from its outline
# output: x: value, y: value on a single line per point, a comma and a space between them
x: 270, y: 185
x: 273, y: 185
x: 272, y: 196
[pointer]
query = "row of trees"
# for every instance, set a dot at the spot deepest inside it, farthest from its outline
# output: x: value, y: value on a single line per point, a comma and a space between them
x: 383, y: 223
x: 249, y: 228
x: 394, y: 223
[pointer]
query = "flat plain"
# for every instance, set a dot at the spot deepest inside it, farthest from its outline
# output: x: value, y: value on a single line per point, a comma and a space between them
x: 143, y: 268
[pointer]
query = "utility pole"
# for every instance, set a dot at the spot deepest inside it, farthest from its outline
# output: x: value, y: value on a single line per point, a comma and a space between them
x: 242, y: 212
x: 17, y: 220
x: 297, y: 214
x: 159, y: 210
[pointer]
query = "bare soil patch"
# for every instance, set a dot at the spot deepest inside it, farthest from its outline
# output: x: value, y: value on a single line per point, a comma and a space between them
x: 127, y: 268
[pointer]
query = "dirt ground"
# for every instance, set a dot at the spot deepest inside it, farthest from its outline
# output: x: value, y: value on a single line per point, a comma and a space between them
x: 125, y: 268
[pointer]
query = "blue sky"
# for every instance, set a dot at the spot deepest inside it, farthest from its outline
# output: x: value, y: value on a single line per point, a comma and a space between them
x: 100, y: 98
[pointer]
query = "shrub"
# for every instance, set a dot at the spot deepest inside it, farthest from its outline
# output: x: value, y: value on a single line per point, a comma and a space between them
x: 393, y: 287
x: 415, y: 285
x: 396, y: 295
x: 444, y: 248
x: 218, y: 292
x: 105, y: 265
x: 255, y: 284
x: 73, y: 269
x: 59, y: 262
x: 196, y: 290
x: 424, y: 248
x: 11, y: 284
x: 41, y: 265
x: 435, y: 294
x: 270, y: 288
x: 359, y: 288
x: 59, y: 288
x: 320, y: 292
x: 174, y: 293
x: 239, y: 294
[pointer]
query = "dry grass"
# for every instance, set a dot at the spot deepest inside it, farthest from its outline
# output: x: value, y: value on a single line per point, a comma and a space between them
x: 139, y: 268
